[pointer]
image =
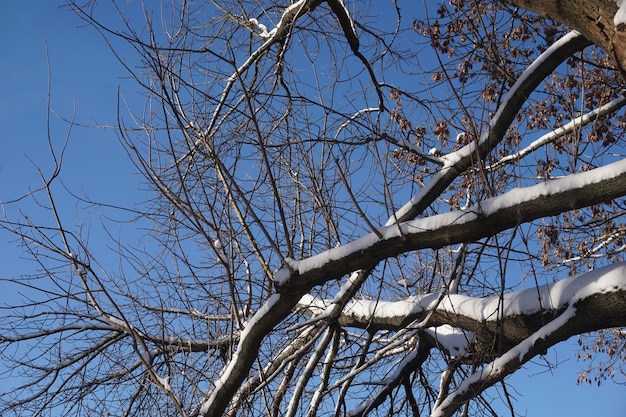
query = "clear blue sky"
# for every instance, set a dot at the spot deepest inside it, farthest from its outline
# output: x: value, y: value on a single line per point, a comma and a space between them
x: 85, y: 79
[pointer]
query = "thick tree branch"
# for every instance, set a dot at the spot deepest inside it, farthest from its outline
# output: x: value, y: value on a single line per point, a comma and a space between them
x: 224, y: 174
x: 601, y: 310
x: 461, y: 160
x: 499, y: 324
x: 487, y: 218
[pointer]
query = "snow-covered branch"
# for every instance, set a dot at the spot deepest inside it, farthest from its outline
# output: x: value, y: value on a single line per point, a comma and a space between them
x: 483, y: 219
x: 508, y: 331
x: 497, y: 370
x: 570, y: 127
x: 525, y: 309
x: 261, y: 281
x: 462, y: 159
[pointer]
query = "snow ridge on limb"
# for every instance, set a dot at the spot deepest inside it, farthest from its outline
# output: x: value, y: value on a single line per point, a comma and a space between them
x: 587, y: 302
x: 497, y: 370
x: 296, y: 278
x: 483, y: 219
x: 597, y: 301
x: 471, y: 313
x: 276, y: 308
x: 461, y: 160
x: 570, y: 127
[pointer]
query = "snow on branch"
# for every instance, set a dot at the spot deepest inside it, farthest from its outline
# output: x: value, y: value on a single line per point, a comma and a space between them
x: 455, y: 342
x: 479, y: 315
x: 296, y: 278
x: 530, y: 321
x: 486, y: 218
x: 570, y: 127
x: 277, y: 307
x: 457, y: 309
x: 483, y: 219
x: 460, y: 160
x: 289, y: 16
x: 508, y: 363
x: 587, y: 302
x: 555, y: 312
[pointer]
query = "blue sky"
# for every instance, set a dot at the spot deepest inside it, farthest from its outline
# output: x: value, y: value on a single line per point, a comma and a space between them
x: 84, y: 84
x: 54, y: 44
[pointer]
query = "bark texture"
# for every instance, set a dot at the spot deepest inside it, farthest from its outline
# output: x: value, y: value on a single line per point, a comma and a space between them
x: 497, y: 336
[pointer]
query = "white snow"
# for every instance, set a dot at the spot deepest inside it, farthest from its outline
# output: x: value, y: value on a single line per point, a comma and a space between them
x: 452, y: 158
x: 356, y: 116
x: 484, y: 208
x: 340, y: 252
x: 496, y: 368
x: 289, y: 14
x: 261, y: 29
x: 165, y: 383
x: 572, y: 126
x: 552, y: 296
x: 283, y: 274
x: 453, y: 340
x: 404, y: 282
x: 620, y: 16
x: 219, y: 251
x: 561, y: 294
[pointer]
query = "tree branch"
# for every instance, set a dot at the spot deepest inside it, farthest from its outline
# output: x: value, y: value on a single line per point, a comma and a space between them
x: 486, y: 218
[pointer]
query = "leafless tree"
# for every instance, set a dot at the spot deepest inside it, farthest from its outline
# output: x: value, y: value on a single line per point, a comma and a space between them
x: 358, y: 209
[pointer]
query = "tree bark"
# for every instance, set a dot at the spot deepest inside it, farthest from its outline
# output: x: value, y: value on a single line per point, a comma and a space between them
x: 494, y: 337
